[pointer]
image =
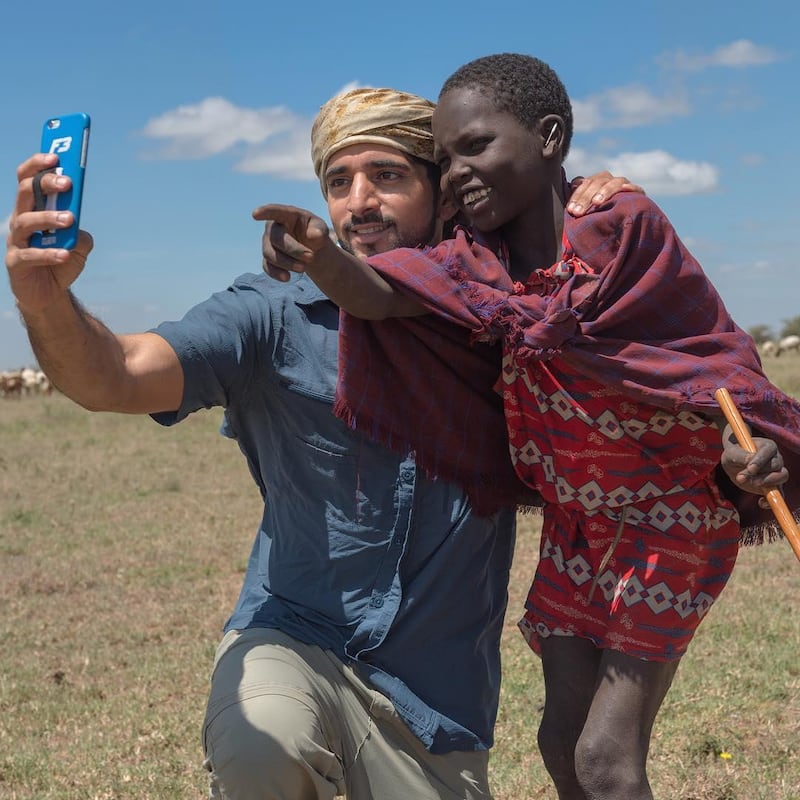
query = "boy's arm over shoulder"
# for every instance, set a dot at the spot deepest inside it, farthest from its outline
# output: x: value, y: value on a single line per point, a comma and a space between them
x: 629, y: 228
x: 620, y: 209
x: 587, y: 193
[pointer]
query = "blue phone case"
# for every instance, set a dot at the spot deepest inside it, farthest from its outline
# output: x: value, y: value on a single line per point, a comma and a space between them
x: 68, y: 138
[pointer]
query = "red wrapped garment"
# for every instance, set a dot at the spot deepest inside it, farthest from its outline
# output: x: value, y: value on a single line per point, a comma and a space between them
x: 643, y: 320
x: 637, y: 542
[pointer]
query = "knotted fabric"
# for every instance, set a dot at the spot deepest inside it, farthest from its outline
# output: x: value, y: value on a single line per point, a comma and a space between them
x: 371, y: 116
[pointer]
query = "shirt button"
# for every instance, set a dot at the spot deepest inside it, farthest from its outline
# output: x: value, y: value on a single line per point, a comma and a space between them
x: 376, y: 601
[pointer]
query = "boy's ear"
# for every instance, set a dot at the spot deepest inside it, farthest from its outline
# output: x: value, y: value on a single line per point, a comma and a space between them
x: 551, y: 129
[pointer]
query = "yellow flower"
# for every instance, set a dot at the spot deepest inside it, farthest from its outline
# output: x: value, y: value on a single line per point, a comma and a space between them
x: 725, y: 755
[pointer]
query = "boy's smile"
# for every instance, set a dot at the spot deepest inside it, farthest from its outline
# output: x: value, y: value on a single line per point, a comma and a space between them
x: 490, y: 162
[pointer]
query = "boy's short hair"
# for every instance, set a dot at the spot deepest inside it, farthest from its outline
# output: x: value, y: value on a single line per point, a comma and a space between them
x: 520, y: 84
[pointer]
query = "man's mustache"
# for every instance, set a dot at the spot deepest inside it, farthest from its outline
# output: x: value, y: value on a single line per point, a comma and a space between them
x: 367, y: 219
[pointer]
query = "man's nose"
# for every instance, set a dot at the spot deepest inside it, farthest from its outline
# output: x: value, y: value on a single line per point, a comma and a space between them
x: 362, y: 196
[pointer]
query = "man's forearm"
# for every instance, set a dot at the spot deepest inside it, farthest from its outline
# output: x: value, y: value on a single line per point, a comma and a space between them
x: 81, y: 357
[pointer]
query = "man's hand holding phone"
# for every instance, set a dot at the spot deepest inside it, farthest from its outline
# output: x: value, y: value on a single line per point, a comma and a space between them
x: 46, y: 251
x: 40, y: 276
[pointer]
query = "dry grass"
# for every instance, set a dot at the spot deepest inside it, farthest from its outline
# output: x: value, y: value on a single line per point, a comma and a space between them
x: 122, y: 547
x: 122, y: 550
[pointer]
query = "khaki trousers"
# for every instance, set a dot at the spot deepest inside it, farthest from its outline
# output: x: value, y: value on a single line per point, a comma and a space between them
x: 290, y: 721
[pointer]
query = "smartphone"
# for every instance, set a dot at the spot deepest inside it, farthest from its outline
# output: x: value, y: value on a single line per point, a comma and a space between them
x: 68, y: 138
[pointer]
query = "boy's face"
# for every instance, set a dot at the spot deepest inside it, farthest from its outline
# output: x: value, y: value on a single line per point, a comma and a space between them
x: 491, y: 164
x: 380, y: 198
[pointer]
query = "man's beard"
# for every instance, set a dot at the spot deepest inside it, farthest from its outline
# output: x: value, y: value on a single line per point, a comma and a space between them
x: 394, y: 236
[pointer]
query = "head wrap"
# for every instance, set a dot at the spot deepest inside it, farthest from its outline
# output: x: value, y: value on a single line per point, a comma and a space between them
x: 371, y: 116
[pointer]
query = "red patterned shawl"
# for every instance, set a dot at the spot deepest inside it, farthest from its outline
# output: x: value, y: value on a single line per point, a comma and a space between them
x: 649, y: 323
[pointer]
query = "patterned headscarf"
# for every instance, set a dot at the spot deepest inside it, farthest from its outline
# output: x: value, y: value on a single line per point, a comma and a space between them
x: 371, y: 116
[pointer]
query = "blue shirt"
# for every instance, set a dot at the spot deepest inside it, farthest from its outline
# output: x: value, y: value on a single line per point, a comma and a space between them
x: 357, y: 551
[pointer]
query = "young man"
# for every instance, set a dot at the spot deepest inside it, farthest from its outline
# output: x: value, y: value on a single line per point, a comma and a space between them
x: 353, y: 663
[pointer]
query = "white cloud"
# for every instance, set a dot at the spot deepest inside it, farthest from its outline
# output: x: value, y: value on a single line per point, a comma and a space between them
x: 266, y: 141
x: 738, y: 54
x: 287, y: 157
x: 659, y: 172
x: 626, y: 107
x: 4, y: 229
x: 215, y: 125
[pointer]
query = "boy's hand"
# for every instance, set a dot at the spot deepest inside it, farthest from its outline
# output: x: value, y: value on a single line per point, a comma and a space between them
x: 595, y: 190
x: 754, y: 472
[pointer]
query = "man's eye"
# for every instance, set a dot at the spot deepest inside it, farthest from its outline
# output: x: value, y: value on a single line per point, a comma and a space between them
x: 336, y: 183
x: 443, y: 163
x: 388, y: 175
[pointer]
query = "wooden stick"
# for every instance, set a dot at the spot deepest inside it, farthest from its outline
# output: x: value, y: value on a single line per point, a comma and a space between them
x: 774, y: 497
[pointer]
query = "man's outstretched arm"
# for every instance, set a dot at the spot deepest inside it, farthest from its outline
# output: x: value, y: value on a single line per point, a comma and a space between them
x: 86, y: 361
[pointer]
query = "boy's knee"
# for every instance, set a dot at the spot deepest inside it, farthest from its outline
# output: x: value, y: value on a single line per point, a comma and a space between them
x: 605, y: 767
x: 557, y: 747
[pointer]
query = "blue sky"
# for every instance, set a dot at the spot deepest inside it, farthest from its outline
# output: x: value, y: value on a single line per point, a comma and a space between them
x: 201, y: 112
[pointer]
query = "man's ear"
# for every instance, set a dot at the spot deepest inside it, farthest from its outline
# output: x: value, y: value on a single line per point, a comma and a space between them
x: 447, y: 207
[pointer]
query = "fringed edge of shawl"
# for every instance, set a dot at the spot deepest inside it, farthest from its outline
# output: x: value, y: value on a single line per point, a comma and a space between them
x: 530, y: 510
x: 490, y: 313
x: 764, y: 533
x: 486, y: 492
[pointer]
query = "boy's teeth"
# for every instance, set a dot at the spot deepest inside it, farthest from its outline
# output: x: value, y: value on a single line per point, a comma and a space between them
x: 471, y: 197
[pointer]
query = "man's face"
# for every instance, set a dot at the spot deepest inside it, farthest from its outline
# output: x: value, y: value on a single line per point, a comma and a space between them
x: 380, y: 198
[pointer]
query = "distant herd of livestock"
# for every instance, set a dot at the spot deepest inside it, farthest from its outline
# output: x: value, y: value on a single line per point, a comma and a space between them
x: 785, y: 345
x: 24, y: 382
x: 29, y: 381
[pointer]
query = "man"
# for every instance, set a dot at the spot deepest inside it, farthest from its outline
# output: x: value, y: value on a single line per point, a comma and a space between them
x: 362, y: 657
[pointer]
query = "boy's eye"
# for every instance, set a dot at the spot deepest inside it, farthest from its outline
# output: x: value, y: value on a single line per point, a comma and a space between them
x: 336, y: 183
x: 479, y: 144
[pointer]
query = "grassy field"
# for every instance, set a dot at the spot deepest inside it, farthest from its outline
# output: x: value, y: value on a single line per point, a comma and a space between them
x: 122, y: 547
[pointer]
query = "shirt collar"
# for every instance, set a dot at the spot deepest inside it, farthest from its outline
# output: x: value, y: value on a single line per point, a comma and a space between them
x: 308, y: 293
